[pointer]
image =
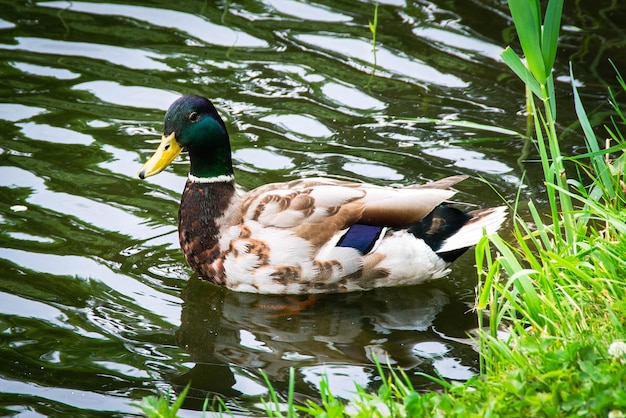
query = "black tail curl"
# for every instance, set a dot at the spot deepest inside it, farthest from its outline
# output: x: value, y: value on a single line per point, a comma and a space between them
x: 442, y: 223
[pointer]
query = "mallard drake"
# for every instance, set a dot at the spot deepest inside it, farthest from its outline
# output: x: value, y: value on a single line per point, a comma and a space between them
x: 306, y: 236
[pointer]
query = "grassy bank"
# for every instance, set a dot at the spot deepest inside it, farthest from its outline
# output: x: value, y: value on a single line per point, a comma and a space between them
x: 555, y: 294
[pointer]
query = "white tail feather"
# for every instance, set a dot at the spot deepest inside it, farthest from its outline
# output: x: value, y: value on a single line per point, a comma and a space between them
x: 484, y: 221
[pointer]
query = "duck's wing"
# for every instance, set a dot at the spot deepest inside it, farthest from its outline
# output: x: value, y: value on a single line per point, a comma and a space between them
x: 317, y: 209
x: 444, y: 183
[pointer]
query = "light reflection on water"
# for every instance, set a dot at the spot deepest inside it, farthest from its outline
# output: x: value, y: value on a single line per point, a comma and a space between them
x: 340, y: 336
x: 195, y: 26
x: 97, y: 307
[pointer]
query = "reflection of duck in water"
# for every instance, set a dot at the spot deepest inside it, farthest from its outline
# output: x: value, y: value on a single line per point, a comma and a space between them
x: 232, y: 334
x: 309, y: 235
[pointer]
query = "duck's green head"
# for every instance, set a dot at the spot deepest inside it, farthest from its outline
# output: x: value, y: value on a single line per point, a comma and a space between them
x: 193, y: 125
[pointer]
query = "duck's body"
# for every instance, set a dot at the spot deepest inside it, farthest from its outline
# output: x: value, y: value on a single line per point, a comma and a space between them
x: 311, y: 235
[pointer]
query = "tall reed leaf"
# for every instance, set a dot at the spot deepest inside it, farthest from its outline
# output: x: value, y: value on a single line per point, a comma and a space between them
x: 469, y: 124
x: 550, y: 34
x: 514, y: 62
x: 597, y: 160
x: 528, y: 25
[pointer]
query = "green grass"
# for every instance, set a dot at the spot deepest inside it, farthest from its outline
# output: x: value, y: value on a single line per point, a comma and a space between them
x: 373, y: 26
x: 555, y: 293
x: 159, y: 406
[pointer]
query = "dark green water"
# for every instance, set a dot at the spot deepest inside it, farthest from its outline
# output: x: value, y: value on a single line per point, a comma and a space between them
x: 97, y: 307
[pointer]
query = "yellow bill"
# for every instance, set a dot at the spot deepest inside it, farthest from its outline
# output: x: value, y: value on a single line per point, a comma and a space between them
x: 163, y: 156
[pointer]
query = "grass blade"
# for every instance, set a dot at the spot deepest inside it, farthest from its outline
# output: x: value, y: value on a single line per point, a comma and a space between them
x: 514, y: 62
x: 469, y: 124
x: 598, y: 162
x: 550, y: 34
x: 528, y: 26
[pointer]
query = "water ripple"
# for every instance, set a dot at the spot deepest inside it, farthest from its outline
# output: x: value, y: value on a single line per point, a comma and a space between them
x: 97, y: 305
x: 126, y: 57
x: 196, y: 26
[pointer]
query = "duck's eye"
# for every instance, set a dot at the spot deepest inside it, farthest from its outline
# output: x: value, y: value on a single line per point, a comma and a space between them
x: 193, y: 116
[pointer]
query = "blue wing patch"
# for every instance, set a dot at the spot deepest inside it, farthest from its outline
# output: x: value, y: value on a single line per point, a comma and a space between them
x: 361, y: 237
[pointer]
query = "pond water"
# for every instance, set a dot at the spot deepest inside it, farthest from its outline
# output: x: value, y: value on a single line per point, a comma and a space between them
x: 97, y: 306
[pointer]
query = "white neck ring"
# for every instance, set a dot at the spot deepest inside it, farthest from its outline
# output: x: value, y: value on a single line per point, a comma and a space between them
x: 219, y: 179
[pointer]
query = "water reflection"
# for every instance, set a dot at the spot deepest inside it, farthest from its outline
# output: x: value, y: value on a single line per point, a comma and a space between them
x: 127, y: 57
x: 134, y: 96
x: 393, y: 62
x: 91, y: 273
x: 235, y: 335
x: 307, y: 11
x: 196, y: 26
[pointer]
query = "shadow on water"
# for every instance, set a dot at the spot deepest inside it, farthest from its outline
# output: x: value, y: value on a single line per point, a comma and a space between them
x: 231, y: 336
